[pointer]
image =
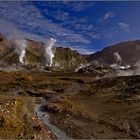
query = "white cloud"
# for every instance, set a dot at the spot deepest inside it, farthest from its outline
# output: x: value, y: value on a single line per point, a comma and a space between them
x: 124, y: 26
x: 80, y: 24
x: 63, y: 16
x: 107, y: 16
x: 79, y: 5
x: 25, y: 19
x: 12, y: 31
x: 85, y: 51
x: 99, y: 33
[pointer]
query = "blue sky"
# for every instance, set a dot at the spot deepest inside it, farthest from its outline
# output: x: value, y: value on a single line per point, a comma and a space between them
x: 85, y: 26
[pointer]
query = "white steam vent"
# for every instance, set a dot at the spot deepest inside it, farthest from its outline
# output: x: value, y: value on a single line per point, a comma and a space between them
x: 49, y: 50
x: 21, y: 45
x: 117, y: 57
x: 82, y: 66
x: 21, y: 57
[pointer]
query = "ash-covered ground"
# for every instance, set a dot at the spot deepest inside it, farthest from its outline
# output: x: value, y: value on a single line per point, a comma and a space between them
x: 78, y: 104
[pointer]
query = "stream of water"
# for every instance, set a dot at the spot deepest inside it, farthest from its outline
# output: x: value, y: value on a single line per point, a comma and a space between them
x: 44, y: 117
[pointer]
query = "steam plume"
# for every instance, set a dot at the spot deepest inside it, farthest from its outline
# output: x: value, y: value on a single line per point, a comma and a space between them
x: 49, y: 52
x: 81, y: 66
x: 21, y: 57
x: 21, y: 45
x: 117, y: 57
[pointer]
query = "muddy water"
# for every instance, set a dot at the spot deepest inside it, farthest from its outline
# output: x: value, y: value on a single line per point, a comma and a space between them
x: 44, y: 117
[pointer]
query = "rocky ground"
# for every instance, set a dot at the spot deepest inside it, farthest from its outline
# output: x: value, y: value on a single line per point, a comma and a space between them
x: 79, y: 104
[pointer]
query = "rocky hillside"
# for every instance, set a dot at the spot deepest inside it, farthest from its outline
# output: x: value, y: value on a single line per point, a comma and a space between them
x: 122, y: 59
x: 121, y: 56
x: 35, y: 53
x: 10, y: 50
x: 125, y: 53
x: 6, y: 51
x: 99, y: 70
x: 67, y: 59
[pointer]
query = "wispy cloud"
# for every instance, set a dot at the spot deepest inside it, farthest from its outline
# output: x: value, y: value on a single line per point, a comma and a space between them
x: 124, y: 26
x: 84, y: 50
x: 79, y: 5
x: 67, y: 21
x: 26, y: 19
x: 107, y: 16
x: 12, y: 31
x: 99, y: 33
x: 72, y: 22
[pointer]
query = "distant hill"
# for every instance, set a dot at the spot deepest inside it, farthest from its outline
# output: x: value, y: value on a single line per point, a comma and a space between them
x: 122, y: 56
x: 128, y: 53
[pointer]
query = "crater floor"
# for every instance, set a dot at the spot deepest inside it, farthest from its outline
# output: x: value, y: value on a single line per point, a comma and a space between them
x: 78, y: 104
